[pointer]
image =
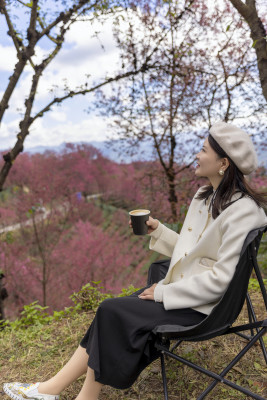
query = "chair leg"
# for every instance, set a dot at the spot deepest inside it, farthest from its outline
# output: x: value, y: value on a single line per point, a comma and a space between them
x: 253, y: 316
x: 263, y: 348
x: 176, y: 345
x: 231, y: 365
x: 163, y: 373
x: 250, y: 314
x: 218, y: 378
x: 259, y: 277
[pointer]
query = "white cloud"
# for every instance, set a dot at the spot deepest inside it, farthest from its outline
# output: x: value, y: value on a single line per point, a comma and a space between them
x: 59, y: 116
x: 91, y: 128
x: 87, y: 130
x: 8, y: 134
x: 83, y: 55
x: 8, y: 58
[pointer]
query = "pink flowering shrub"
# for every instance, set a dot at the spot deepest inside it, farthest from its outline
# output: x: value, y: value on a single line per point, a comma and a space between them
x: 7, y: 216
x: 22, y: 277
x: 86, y: 253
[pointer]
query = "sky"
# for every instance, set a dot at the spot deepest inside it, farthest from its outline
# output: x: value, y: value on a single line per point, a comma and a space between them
x: 81, y: 54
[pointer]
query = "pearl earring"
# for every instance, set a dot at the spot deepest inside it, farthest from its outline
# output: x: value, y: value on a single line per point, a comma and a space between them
x: 221, y: 172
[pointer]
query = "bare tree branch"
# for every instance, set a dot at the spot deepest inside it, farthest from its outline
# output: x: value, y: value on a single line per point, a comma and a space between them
x: 241, y: 7
x: 153, y: 133
x: 31, y: 32
x: 14, y: 35
x: 58, y: 100
x: 65, y: 16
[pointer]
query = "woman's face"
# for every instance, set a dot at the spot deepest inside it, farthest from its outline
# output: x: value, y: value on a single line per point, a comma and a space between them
x: 208, y: 163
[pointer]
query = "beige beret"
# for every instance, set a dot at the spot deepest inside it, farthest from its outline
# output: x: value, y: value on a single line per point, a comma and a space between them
x: 237, y: 145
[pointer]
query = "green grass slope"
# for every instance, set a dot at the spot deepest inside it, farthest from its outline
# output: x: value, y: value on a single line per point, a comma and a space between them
x: 36, y: 347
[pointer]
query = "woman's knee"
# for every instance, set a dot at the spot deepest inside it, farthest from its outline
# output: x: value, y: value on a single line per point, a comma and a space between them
x: 107, y: 304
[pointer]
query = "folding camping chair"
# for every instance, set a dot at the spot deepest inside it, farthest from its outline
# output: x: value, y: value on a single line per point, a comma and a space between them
x: 221, y: 319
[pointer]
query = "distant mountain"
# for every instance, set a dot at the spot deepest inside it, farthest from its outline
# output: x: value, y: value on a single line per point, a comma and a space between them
x: 107, y: 149
x: 43, y: 149
x: 144, y: 151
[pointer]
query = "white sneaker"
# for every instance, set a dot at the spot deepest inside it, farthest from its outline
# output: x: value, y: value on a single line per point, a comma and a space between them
x: 21, y: 391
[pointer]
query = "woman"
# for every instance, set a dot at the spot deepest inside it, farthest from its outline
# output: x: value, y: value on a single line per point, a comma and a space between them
x: 119, y: 344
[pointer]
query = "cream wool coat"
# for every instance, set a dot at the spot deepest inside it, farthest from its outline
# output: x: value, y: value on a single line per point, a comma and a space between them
x: 205, y: 253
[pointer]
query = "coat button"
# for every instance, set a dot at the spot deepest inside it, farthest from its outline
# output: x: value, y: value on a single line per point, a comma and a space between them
x: 182, y: 275
x: 199, y: 211
x: 189, y: 228
x: 185, y: 254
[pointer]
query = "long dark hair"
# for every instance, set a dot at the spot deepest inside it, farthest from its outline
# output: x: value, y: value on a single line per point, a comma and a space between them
x: 232, y: 182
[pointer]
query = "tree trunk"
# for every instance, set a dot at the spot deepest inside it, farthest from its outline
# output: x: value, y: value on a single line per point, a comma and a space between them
x: 44, y: 282
x: 11, y: 86
x: 4, y: 173
x: 42, y: 254
x: 172, y: 195
x: 259, y: 36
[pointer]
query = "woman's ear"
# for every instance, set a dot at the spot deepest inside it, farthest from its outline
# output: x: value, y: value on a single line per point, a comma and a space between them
x: 225, y: 163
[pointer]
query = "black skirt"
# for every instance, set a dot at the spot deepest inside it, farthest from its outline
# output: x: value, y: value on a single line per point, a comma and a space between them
x: 119, y: 341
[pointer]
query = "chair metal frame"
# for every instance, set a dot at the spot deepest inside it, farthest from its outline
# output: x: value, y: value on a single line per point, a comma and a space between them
x: 165, y: 333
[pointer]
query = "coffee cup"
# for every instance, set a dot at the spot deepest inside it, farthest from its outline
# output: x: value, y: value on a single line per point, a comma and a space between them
x: 138, y: 220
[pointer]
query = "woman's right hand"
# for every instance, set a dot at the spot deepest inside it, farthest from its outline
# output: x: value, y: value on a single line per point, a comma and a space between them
x: 152, y: 224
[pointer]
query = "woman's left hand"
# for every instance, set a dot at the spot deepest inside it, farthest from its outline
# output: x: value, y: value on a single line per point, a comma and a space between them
x: 148, y: 294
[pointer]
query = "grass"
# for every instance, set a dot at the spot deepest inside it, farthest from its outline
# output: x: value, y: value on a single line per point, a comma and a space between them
x: 38, y: 352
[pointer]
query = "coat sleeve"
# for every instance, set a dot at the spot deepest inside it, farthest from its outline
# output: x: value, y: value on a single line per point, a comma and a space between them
x: 207, y: 287
x: 163, y: 240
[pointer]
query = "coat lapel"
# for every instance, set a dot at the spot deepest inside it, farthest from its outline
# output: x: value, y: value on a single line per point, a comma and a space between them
x: 191, y: 233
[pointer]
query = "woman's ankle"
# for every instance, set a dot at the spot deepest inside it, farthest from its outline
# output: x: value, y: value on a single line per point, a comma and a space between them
x: 48, y: 388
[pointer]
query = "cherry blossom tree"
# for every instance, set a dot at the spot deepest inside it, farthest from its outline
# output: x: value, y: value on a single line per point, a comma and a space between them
x: 204, y: 71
